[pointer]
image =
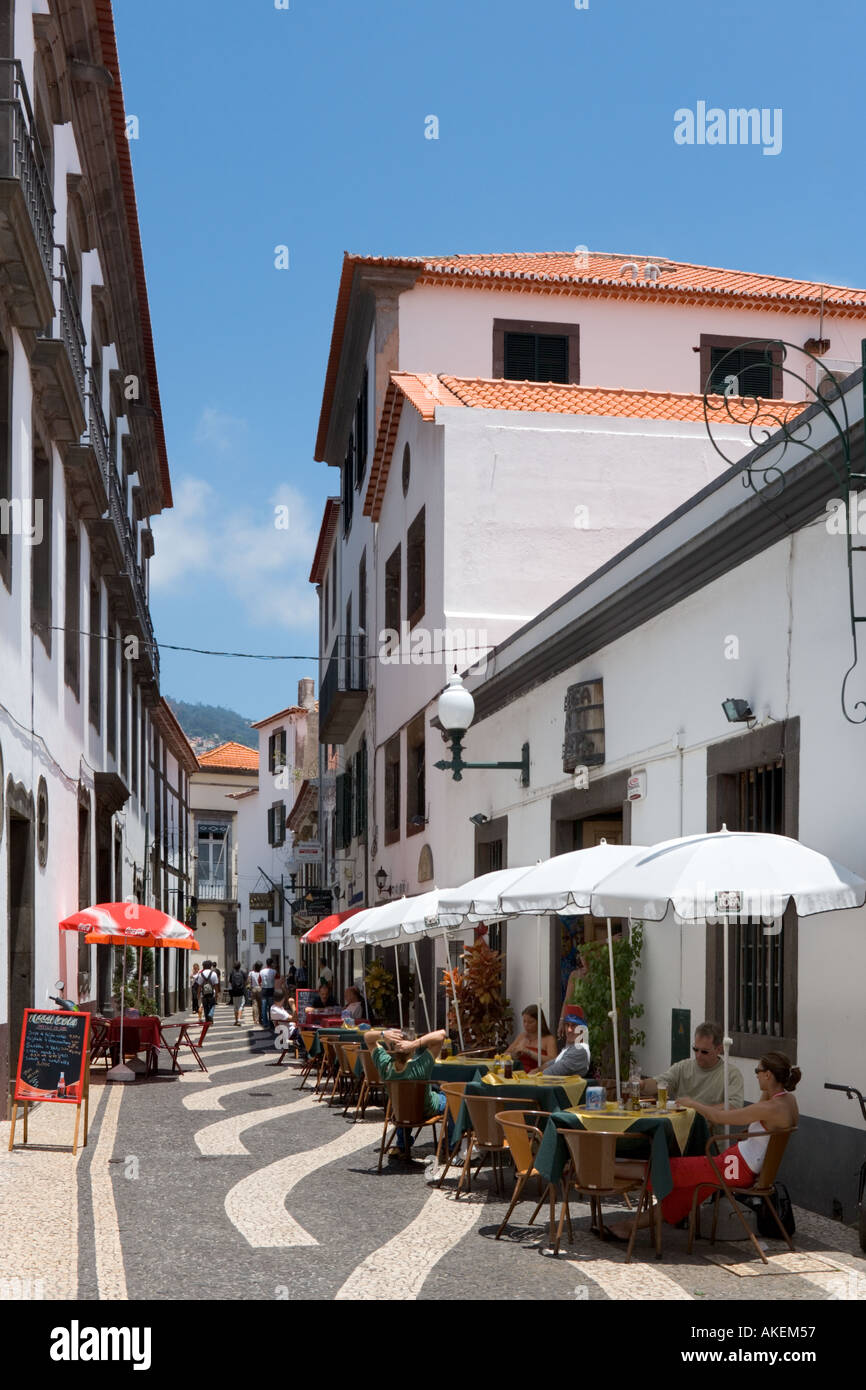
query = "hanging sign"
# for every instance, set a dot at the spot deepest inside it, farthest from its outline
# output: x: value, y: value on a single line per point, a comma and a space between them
x: 637, y: 786
x: 583, y: 744
x: 729, y: 902
x: 53, y: 1064
x: 261, y: 902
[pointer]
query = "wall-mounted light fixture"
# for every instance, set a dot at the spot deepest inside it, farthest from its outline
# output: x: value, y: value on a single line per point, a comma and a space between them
x: 381, y: 880
x: 456, y: 710
x: 479, y: 818
x: 738, y: 711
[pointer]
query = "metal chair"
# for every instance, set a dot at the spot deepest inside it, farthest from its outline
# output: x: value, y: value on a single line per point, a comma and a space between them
x: 762, y: 1187
x: 310, y: 1062
x: 406, y: 1112
x: 596, y: 1173
x: 523, y: 1140
x: 372, y: 1086
x: 183, y: 1039
x: 326, y: 1068
x: 486, y: 1137
x: 453, y: 1093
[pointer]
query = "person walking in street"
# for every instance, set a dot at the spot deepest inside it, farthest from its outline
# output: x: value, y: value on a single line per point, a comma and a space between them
x: 209, y: 986
x: 237, y: 985
x: 254, y: 980
x: 302, y: 976
x: 291, y: 977
x: 268, y: 977
x: 196, y: 985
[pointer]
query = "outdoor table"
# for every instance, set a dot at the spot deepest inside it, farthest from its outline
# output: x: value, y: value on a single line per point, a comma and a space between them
x: 139, y: 1035
x: 544, y: 1095
x: 677, y: 1133
x: 343, y: 1035
x: 457, y: 1069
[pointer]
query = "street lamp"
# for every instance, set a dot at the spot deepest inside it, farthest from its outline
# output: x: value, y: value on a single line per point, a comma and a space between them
x: 381, y: 880
x: 456, y: 710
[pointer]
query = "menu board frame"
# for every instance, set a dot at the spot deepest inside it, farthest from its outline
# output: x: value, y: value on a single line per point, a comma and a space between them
x: 27, y: 1094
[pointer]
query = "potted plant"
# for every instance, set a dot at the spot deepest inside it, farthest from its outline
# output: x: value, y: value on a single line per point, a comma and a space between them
x: 593, y: 995
x: 485, y: 1013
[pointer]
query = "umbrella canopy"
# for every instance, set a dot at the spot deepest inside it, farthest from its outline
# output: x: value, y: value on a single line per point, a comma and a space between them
x: 727, y: 873
x: 328, y: 925
x: 478, y: 899
x: 564, y: 883
x: 129, y: 924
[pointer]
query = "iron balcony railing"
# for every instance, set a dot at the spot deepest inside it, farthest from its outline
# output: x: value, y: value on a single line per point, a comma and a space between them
x: 71, y: 326
x: 346, y: 671
x: 224, y: 890
x: 97, y: 430
x: 118, y: 514
x: 22, y: 158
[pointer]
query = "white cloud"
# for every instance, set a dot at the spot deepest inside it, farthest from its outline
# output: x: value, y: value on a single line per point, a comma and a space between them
x: 218, y: 430
x: 204, y: 546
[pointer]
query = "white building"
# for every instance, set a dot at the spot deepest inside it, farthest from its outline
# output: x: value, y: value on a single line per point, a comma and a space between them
x: 504, y: 426
x: 735, y: 595
x: 267, y: 861
x: 83, y: 468
x: 223, y: 774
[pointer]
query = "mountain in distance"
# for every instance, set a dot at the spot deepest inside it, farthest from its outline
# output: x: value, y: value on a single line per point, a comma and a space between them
x: 207, y: 726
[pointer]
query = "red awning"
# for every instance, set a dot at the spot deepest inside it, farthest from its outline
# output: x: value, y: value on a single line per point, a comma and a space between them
x: 327, y: 925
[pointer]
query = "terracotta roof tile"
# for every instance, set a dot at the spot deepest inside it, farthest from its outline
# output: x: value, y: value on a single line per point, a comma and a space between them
x: 425, y: 392
x: 233, y: 755
x: 597, y: 273
x: 327, y: 531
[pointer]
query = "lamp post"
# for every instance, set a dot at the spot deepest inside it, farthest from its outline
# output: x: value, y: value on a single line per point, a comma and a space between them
x: 456, y: 710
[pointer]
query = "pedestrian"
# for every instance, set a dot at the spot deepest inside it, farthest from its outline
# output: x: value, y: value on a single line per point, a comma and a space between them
x: 237, y: 984
x: 254, y: 980
x: 268, y: 977
x: 195, y: 984
x: 302, y: 976
x: 291, y: 977
x: 209, y: 986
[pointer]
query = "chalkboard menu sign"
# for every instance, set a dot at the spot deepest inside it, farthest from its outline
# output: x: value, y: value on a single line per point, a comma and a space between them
x: 306, y: 999
x: 54, y: 1047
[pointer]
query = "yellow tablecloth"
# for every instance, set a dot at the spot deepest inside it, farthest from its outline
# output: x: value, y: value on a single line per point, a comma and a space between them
x: 466, y: 1061
x: 574, y: 1086
x: 614, y: 1123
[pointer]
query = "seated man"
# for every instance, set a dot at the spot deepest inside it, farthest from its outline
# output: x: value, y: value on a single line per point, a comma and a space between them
x: 401, y: 1059
x: 326, y: 999
x: 284, y: 1016
x: 703, y: 1077
x: 574, y: 1058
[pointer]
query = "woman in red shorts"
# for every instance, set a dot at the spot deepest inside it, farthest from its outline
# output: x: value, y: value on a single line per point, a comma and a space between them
x: 741, y: 1163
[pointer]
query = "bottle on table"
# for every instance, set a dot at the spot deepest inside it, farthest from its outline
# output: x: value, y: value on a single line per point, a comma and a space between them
x: 61, y: 1084
x: 508, y: 1066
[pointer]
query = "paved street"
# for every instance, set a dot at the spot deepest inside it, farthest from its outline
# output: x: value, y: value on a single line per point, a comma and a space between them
x: 235, y: 1186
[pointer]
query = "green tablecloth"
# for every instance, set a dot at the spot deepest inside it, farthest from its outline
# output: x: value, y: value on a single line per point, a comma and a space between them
x: 528, y: 1097
x: 451, y: 1071
x: 553, y: 1151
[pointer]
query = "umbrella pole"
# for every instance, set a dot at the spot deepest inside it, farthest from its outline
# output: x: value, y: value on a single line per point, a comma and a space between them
x: 613, y: 1015
x: 121, y: 1072
x: 538, y: 946
x: 726, y: 1041
x: 399, y: 991
x: 420, y: 984
x: 454, y: 996
x: 140, y: 964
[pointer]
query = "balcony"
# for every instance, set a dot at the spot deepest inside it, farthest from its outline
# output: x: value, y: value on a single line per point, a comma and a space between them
x: 216, y: 890
x: 58, y: 363
x: 343, y: 690
x: 125, y: 577
x: 26, y: 207
x: 87, y: 462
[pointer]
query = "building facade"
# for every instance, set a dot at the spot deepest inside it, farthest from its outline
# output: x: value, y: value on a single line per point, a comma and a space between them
x: 224, y: 773
x: 83, y: 468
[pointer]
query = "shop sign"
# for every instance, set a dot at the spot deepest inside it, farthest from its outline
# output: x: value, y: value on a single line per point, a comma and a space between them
x: 583, y: 745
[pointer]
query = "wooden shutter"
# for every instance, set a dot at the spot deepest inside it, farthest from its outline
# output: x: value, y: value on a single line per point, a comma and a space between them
x: 339, y: 826
x: 272, y: 744
x: 551, y: 361
x: 271, y: 839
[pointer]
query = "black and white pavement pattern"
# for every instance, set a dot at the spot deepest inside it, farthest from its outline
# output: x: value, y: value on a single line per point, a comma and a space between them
x: 236, y: 1185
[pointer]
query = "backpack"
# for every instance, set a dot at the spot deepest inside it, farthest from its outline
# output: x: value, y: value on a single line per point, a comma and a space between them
x: 207, y: 983
x: 781, y: 1200
x: 237, y: 981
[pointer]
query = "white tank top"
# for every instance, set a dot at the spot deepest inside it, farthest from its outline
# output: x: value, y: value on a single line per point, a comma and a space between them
x: 753, y: 1151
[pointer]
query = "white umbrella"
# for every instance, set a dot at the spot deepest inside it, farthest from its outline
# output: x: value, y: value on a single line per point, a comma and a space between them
x: 385, y: 926
x: 725, y: 874
x: 564, y: 885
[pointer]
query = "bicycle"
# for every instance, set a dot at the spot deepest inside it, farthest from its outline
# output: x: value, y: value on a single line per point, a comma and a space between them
x: 850, y: 1092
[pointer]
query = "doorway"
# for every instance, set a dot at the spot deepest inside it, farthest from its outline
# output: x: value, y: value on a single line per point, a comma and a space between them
x: 21, y: 934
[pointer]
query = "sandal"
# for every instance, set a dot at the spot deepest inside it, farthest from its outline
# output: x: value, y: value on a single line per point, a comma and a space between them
x: 606, y: 1234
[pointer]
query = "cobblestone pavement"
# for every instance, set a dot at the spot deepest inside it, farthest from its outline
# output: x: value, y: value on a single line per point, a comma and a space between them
x: 236, y: 1185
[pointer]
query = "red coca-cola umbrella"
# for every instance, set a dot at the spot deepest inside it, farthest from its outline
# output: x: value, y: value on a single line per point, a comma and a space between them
x: 128, y: 924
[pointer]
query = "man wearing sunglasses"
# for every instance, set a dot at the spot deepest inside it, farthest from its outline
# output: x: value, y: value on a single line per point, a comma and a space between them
x: 701, y: 1076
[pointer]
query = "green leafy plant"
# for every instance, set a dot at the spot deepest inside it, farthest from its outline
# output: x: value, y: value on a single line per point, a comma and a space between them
x: 485, y: 1013
x: 126, y: 971
x: 380, y: 988
x: 592, y: 993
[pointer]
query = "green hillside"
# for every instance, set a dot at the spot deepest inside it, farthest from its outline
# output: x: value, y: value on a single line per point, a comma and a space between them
x: 213, y: 724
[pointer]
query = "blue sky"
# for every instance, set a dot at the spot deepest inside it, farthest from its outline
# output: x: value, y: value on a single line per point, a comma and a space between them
x: 305, y: 127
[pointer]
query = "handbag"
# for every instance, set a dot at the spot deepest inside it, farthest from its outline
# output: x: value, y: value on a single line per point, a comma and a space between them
x: 781, y: 1201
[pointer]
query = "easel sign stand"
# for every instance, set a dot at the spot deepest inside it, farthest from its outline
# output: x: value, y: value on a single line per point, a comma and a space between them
x: 53, y: 1067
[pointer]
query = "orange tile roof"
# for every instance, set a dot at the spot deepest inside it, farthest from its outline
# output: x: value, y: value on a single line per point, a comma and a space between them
x: 598, y: 273
x: 425, y: 391
x: 326, y: 536
x: 280, y: 714
x: 231, y: 755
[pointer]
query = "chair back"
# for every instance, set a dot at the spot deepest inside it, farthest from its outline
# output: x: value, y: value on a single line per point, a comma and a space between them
x: 348, y: 1058
x: 308, y: 1036
x: 593, y: 1154
x: 773, y: 1157
x: 371, y: 1071
x: 482, y: 1113
x: 453, y: 1093
x: 521, y: 1138
x: 407, y: 1102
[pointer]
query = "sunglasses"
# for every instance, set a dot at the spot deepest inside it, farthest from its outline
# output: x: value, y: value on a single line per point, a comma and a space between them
x: 703, y: 1051
x: 759, y: 1070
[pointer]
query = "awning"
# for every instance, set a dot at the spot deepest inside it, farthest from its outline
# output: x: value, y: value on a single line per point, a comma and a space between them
x: 327, y: 925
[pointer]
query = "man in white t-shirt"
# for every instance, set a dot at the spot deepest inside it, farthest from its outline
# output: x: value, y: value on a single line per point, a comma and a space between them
x: 268, y: 976
x: 254, y: 980
x: 208, y: 986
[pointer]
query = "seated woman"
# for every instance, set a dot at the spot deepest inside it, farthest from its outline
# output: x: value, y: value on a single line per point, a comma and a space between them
x: 353, y: 1006
x: 741, y: 1163
x: 524, y: 1048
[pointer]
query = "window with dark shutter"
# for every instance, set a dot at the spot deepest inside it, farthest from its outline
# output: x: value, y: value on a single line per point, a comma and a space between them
x: 729, y: 367
x: 415, y: 570
x: 340, y: 839
x: 416, y: 790
x: 272, y: 750
x: 361, y: 790
x: 392, y: 790
x: 361, y: 430
x: 536, y: 357
x: 348, y: 486
x: 392, y: 591
x: 271, y: 839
